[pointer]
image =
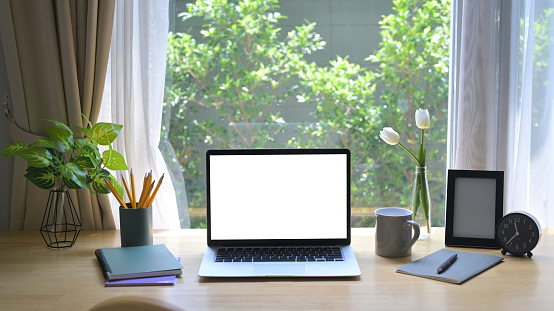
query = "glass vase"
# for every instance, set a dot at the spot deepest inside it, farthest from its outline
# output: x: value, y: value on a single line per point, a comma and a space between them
x: 421, y: 202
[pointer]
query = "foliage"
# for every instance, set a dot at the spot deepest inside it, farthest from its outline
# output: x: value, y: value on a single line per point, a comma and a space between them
x: 226, y: 86
x: 86, y: 168
x: 413, y: 72
x: 223, y: 88
x: 542, y: 46
x: 343, y: 97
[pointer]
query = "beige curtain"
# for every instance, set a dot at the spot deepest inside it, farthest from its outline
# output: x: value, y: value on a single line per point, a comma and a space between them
x: 56, y: 56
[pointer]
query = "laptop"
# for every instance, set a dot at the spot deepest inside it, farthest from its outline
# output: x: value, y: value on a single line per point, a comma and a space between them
x: 278, y: 213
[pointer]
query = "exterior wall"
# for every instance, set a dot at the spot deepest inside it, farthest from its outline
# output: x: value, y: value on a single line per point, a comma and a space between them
x: 349, y: 28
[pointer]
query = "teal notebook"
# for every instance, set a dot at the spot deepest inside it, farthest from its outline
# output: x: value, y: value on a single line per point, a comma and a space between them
x: 137, y: 262
x: 464, y: 268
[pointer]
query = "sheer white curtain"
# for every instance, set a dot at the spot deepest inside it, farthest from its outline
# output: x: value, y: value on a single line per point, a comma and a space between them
x: 473, y: 105
x: 133, y: 97
x: 509, y: 125
x: 532, y: 135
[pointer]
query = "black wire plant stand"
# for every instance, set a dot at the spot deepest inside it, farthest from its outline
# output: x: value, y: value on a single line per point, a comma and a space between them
x: 61, y: 224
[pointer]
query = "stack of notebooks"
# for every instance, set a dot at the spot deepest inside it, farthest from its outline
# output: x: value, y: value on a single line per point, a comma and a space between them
x: 139, y: 265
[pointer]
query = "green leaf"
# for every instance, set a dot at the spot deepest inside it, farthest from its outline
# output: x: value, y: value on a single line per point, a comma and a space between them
x: 62, y: 126
x: 69, y: 183
x: 88, y: 133
x: 117, y: 186
x: 417, y: 195
x: 420, y: 156
x: 89, y: 124
x: 12, y: 148
x: 44, y: 142
x: 57, y: 154
x: 105, y: 174
x: 105, y: 133
x: 114, y: 160
x: 36, y: 156
x: 99, y: 186
x: 90, y: 150
x: 62, y: 139
x: 75, y: 173
x: 58, y: 158
x: 42, y: 177
x: 425, y: 201
x: 84, y: 162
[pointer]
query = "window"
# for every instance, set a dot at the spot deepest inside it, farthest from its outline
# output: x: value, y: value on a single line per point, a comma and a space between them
x: 501, y: 113
x: 530, y: 179
x: 241, y: 75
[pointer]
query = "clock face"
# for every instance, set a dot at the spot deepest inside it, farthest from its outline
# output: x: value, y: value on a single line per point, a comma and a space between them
x: 518, y: 233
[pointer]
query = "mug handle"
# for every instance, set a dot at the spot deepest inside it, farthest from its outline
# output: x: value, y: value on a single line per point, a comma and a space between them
x: 416, y: 233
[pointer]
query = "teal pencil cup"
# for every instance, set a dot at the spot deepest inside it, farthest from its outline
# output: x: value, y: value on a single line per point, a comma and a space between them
x: 135, y: 226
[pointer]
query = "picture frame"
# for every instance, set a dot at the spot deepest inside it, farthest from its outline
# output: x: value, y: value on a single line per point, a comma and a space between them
x: 474, y: 205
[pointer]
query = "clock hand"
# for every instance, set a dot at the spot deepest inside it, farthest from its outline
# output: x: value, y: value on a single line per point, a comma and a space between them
x: 515, y: 224
x: 510, y: 240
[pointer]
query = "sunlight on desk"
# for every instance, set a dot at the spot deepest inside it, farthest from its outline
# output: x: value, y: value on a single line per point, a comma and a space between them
x: 34, y: 277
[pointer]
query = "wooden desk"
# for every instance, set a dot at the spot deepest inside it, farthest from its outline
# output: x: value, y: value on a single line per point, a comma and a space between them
x: 34, y: 277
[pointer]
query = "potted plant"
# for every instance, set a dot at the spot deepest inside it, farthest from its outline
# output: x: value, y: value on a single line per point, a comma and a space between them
x: 60, y: 162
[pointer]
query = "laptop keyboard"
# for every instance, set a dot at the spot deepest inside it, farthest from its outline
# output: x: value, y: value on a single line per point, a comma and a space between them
x: 279, y: 254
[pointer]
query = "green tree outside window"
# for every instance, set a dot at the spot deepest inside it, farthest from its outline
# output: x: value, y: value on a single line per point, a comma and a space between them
x: 226, y: 86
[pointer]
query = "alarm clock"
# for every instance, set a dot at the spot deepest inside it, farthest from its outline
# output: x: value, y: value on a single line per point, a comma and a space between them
x: 518, y: 233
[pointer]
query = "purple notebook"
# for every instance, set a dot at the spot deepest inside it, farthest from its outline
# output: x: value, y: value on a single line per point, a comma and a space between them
x: 151, y: 281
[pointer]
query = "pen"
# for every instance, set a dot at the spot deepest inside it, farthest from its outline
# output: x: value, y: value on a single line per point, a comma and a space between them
x: 447, y: 263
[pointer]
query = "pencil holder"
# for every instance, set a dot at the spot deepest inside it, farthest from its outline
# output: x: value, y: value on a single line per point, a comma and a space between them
x: 135, y: 226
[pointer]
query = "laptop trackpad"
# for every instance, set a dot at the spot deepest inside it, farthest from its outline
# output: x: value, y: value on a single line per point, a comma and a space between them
x: 281, y: 269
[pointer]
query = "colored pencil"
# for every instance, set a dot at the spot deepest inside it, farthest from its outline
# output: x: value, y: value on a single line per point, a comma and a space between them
x: 133, y: 199
x: 147, y: 195
x: 127, y: 189
x: 149, y: 201
x: 143, y: 191
x: 114, y: 192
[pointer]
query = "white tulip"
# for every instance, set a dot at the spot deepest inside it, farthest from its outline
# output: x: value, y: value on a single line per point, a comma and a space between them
x: 389, y: 136
x: 422, y: 118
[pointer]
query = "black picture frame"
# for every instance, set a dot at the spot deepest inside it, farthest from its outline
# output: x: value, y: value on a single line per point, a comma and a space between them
x: 474, y: 205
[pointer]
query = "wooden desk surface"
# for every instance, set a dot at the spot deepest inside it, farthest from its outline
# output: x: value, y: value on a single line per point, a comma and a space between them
x: 34, y: 277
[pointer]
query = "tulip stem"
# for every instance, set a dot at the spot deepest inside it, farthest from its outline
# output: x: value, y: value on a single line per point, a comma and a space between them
x: 413, y: 156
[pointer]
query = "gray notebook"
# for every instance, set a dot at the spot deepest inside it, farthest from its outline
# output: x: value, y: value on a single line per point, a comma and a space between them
x: 464, y: 268
x: 137, y: 262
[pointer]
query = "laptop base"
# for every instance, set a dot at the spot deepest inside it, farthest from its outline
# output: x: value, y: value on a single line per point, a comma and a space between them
x: 347, y: 268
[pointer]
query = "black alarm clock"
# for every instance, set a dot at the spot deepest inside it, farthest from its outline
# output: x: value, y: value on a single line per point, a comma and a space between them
x: 518, y: 233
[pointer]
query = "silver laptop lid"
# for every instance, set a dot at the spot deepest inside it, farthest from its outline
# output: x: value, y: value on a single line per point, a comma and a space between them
x: 266, y: 197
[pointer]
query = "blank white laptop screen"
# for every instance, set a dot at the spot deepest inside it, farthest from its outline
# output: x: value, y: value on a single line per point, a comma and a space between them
x: 278, y: 196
